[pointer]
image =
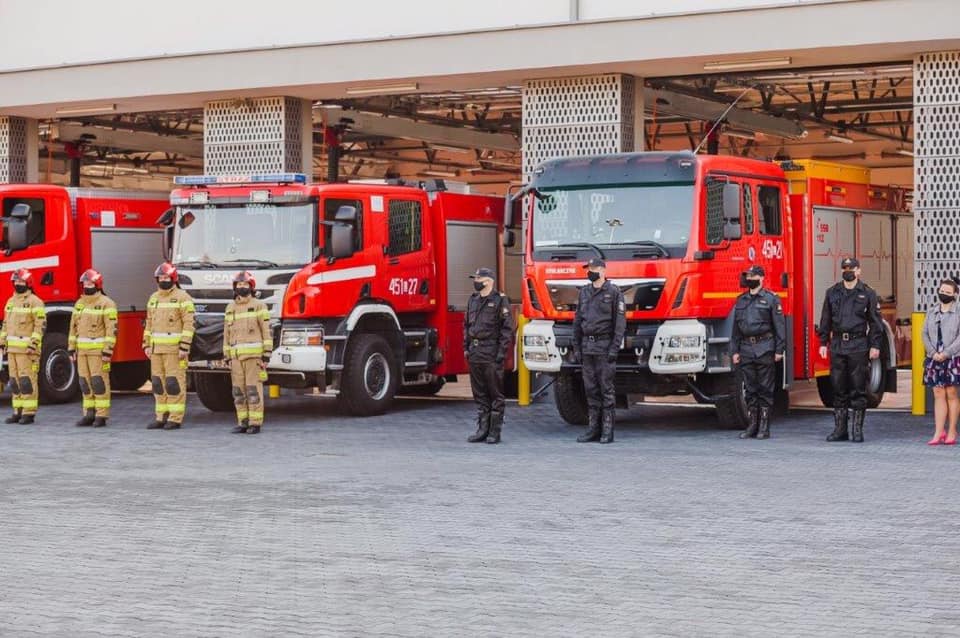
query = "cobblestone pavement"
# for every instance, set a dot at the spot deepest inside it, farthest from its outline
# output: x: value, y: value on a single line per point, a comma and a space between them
x: 395, y: 526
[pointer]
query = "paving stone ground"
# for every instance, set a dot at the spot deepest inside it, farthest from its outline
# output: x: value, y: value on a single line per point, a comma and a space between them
x: 395, y: 526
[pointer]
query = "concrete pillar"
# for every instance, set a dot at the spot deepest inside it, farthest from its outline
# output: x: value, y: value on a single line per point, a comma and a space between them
x: 258, y: 135
x: 19, y: 150
x: 585, y: 115
x: 936, y: 166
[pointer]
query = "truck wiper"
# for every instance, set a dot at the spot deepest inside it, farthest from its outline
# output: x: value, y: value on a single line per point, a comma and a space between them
x: 263, y: 263
x: 646, y: 243
x: 195, y: 264
x: 582, y: 244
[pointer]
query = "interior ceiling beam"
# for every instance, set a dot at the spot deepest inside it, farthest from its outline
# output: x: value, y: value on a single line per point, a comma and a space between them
x: 129, y: 140
x: 711, y: 111
x: 409, y: 129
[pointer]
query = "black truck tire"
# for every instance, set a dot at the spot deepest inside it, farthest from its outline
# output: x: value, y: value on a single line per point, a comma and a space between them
x: 570, y: 398
x: 214, y: 390
x: 369, y: 379
x: 57, y: 379
x: 129, y: 376
x: 732, y: 410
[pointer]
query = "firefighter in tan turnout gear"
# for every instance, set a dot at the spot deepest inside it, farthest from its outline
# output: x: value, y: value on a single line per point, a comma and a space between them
x: 23, y: 327
x: 246, y: 347
x: 167, y: 336
x: 93, y: 336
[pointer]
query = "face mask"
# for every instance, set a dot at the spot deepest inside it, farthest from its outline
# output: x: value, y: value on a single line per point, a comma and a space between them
x: 89, y: 290
x: 849, y: 275
x: 945, y: 298
x: 165, y: 285
x: 753, y: 284
x: 21, y: 288
x: 478, y: 286
x: 593, y: 276
x: 243, y: 292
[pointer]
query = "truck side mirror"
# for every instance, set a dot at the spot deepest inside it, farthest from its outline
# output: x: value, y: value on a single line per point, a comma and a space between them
x: 166, y: 218
x: 509, y: 238
x: 186, y: 219
x: 341, y: 240
x: 16, y: 234
x: 507, y: 212
x: 21, y: 211
x: 731, y: 211
x: 168, y: 243
x: 346, y: 214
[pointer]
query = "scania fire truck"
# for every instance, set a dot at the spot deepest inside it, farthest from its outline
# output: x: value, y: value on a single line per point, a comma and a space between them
x: 366, y: 283
x: 60, y: 232
x: 677, y: 230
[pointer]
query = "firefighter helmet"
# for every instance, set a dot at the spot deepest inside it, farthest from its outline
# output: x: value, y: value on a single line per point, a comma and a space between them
x: 22, y: 274
x: 245, y: 277
x: 92, y: 276
x: 168, y: 269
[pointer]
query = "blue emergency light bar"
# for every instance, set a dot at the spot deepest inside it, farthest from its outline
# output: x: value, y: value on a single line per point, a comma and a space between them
x: 267, y: 178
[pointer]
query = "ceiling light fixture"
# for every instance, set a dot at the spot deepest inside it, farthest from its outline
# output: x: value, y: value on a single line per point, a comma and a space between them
x: 733, y: 65
x: 838, y: 137
x: 383, y: 89
x: 433, y: 173
x: 77, y: 110
x: 904, y: 151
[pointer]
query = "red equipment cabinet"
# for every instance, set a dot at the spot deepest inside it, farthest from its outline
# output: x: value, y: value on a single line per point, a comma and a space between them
x: 378, y: 307
x: 677, y: 230
x: 60, y: 232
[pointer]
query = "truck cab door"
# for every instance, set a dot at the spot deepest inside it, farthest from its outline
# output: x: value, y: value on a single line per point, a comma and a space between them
x: 408, y: 280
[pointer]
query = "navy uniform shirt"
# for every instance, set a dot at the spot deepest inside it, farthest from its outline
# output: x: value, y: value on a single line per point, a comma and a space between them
x: 600, y: 315
x: 759, y: 315
x: 488, y: 327
x: 853, y: 312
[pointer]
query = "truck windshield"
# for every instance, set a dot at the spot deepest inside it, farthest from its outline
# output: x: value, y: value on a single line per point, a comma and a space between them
x: 653, y: 217
x: 265, y: 235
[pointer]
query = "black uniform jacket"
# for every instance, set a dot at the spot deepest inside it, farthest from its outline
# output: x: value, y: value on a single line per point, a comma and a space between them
x: 850, y: 320
x: 759, y: 328
x: 600, y: 321
x: 488, y: 327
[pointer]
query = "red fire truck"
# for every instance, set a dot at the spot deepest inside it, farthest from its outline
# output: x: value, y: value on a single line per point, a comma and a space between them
x: 60, y: 232
x: 677, y: 230
x: 365, y: 286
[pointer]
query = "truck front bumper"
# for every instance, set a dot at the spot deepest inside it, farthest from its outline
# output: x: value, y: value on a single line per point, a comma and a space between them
x: 299, y: 359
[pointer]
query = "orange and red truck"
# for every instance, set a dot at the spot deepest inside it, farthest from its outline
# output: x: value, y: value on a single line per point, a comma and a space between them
x: 58, y: 233
x: 677, y: 230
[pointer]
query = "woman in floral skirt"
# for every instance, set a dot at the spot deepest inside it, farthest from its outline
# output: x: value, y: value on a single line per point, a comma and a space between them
x: 941, y: 368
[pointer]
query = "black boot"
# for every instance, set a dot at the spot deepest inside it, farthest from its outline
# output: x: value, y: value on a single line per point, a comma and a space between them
x: 171, y: 425
x: 606, y: 435
x: 242, y: 428
x: 764, y: 431
x: 156, y: 425
x: 858, y: 416
x: 253, y: 429
x: 753, y: 422
x: 593, y: 427
x: 496, y: 424
x: 13, y: 418
x: 26, y: 419
x: 483, y: 427
x: 840, y: 426
x: 87, y: 419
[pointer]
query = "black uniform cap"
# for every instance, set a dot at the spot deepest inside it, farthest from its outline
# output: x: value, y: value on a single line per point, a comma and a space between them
x: 596, y: 262
x: 850, y: 262
x: 483, y: 272
x: 755, y: 270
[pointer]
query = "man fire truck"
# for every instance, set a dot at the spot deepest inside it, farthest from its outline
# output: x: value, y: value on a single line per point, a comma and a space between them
x: 58, y: 233
x: 365, y: 291
x: 676, y: 231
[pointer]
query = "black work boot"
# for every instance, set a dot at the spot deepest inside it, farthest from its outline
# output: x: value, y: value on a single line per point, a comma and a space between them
x: 753, y: 423
x: 764, y: 431
x: 87, y: 419
x: 171, y: 425
x: 13, y: 418
x: 858, y: 416
x: 253, y: 429
x: 840, y: 426
x: 26, y: 419
x: 100, y: 422
x: 593, y: 427
x: 156, y: 425
x: 496, y: 424
x: 242, y: 428
x: 483, y: 427
x: 606, y: 435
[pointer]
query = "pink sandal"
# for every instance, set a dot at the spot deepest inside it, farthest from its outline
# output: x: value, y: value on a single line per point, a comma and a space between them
x: 941, y: 440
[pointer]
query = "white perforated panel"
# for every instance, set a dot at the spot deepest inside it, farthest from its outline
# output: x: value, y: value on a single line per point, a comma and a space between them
x: 13, y: 150
x: 587, y: 115
x: 936, y: 91
x: 257, y: 135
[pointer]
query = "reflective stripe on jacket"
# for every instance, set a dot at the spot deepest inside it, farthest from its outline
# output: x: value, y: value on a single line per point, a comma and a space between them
x: 169, y: 326
x: 93, y: 325
x: 25, y: 321
x: 246, y: 330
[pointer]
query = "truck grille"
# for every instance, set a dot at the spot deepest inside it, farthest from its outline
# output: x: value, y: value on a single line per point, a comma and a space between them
x: 638, y: 294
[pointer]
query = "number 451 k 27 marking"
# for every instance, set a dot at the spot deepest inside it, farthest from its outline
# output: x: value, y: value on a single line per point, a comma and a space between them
x: 404, y: 286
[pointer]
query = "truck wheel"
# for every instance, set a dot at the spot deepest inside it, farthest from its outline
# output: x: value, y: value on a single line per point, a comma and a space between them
x: 370, y: 378
x: 570, y: 398
x: 129, y: 376
x: 57, y: 378
x: 214, y: 391
x: 732, y: 411
x: 425, y: 390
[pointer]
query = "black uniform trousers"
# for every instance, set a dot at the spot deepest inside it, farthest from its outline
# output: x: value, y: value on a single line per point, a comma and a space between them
x: 848, y: 376
x: 486, y: 382
x: 759, y: 380
x: 598, y: 381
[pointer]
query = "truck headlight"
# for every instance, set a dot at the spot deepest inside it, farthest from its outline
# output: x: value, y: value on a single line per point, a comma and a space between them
x: 681, y: 341
x: 536, y: 356
x: 534, y: 340
x: 301, y: 338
